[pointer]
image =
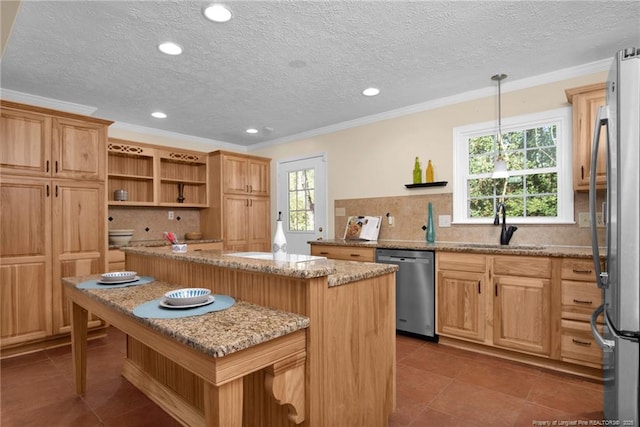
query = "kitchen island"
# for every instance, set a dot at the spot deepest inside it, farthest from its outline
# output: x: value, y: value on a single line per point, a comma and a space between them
x: 350, y: 340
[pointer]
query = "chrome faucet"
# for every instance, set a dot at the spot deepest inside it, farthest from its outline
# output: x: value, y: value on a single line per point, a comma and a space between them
x: 507, y: 232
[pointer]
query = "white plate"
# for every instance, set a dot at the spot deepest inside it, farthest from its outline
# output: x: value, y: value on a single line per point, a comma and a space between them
x: 209, y: 300
x: 118, y: 282
x: 118, y: 275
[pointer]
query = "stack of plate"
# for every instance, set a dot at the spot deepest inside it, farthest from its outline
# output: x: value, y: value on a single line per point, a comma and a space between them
x: 118, y: 277
x: 187, y: 297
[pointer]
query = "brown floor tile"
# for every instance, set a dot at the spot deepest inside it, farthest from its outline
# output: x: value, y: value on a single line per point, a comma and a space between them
x: 477, y: 405
x: 532, y: 414
x: 67, y: 412
x: 432, y: 418
x: 144, y: 416
x: 419, y: 385
x: 407, y: 410
x: 566, y: 396
x: 430, y: 359
x: 498, y: 378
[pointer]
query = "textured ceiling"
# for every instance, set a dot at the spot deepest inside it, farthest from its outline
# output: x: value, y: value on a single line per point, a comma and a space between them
x: 290, y: 67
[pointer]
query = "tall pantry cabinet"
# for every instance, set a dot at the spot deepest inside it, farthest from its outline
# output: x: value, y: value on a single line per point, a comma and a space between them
x: 240, y: 206
x: 52, y: 221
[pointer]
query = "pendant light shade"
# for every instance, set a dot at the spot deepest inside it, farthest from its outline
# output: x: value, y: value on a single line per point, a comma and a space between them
x: 499, y: 165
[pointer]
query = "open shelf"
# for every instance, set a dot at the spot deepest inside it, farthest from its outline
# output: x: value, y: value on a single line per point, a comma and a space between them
x: 427, y: 184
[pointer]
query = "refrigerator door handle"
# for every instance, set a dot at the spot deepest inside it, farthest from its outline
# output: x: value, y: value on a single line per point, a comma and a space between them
x: 602, y: 119
x: 605, y: 344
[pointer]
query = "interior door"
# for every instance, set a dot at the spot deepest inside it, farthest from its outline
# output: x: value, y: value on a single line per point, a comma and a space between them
x: 302, y: 199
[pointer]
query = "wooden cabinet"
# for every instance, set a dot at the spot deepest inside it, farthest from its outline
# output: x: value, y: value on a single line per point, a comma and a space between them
x: 347, y: 253
x: 580, y: 296
x: 240, y: 206
x: 36, y: 143
x: 522, y: 305
x: 115, y: 259
x: 53, y: 220
x: 25, y: 260
x: 501, y: 301
x: 461, y: 295
x: 586, y: 100
x: 156, y: 176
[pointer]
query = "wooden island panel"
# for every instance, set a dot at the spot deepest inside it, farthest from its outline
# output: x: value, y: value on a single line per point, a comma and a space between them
x: 350, y: 364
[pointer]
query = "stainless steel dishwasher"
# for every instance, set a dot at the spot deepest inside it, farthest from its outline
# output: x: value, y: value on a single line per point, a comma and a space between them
x: 415, y: 290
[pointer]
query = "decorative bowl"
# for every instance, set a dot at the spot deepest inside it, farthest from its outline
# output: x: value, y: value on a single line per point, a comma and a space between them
x: 187, y: 296
x: 193, y: 235
x: 117, y: 276
x: 120, y: 237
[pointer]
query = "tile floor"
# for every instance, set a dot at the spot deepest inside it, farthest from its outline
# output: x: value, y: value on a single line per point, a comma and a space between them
x: 437, y: 386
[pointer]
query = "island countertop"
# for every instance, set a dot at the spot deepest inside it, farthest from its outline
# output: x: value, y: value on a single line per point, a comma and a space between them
x: 338, y: 272
x: 216, y: 334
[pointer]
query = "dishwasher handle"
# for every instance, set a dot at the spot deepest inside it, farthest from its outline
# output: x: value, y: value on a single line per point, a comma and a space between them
x: 398, y: 259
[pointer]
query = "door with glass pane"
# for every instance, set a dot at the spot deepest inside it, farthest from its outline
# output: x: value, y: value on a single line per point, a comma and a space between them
x: 302, y: 199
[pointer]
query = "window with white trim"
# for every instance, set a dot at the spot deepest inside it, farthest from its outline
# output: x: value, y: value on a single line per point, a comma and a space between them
x: 537, y: 150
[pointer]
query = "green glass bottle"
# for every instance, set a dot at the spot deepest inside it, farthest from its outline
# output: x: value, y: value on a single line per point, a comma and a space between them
x: 431, y: 231
x: 417, y: 172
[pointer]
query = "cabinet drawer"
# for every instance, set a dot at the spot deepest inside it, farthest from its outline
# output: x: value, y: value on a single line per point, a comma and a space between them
x: 579, y: 299
x: 461, y: 262
x: 577, y: 343
x: 348, y: 253
x: 578, y: 269
x: 520, y: 266
x: 115, y: 255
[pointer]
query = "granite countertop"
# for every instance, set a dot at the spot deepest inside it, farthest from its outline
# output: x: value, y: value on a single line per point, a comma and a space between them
x: 216, y: 334
x: 487, y: 248
x: 156, y: 243
x: 339, y: 272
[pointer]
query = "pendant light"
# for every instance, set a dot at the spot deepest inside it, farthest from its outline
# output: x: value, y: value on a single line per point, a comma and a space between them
x: 499, y: 166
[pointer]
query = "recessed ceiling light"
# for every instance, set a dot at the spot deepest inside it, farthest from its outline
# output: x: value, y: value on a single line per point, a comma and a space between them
x: 159, y: 115
x: 170, y: 48
x: 217, y: 13
x: 252, y: 130
x: 371, y: 91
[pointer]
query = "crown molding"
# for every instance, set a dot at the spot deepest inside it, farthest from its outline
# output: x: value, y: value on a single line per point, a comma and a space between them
x: 177, y: 136
x: 41, y: 101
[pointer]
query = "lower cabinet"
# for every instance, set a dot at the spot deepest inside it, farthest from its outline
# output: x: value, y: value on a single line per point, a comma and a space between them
x: 501, y: 301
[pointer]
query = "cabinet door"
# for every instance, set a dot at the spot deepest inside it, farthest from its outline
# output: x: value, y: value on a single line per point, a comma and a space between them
x: 25, y: 260
x: 585, y: 110
x: 521, y: 314
x: 235, y: 172
x: 259, y: 219
x: 78, y: 240
x: 79, y: 149
x: 460, y: 307
x: 236, y: 223
x: 259, y: 179
x: 26, y: 143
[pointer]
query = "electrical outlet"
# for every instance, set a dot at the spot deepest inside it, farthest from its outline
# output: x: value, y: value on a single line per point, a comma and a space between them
x: 584, y: 220
x: 444, y: 221
x: 170, y: 215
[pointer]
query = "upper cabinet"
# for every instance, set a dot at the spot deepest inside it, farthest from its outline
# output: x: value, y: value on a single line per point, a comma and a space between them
x: 245, y: 175
x: 155, y: 176
x: 586, y: 100
x: 48, y: 143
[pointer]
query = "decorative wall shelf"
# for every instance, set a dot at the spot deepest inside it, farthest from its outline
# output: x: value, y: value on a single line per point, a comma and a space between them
x: 427, y: 184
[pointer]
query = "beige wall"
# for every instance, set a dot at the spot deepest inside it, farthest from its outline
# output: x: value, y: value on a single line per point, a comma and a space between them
x: 376, y: 160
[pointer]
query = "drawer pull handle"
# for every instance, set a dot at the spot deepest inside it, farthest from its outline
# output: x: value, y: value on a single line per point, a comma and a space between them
x: 479, y: 286
x: 579, y: 342
x: 324, y: 253
x: 355, y: 254
x: 577, y: 301
x: 579, y: 271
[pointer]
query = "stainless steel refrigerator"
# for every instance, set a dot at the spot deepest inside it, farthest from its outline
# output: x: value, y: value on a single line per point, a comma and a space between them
x: 619, y: 120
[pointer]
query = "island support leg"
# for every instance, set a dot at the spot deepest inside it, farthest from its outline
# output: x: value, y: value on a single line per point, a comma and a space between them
x: 286, y: 382
x: 223, y: 404
x: 79, y: 326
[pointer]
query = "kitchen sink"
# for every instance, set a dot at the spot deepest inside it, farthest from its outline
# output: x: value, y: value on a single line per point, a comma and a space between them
x: 499, y: 246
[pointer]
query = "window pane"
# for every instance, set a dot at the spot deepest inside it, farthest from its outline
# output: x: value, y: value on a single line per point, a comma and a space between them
x: 542, y: 206
x: 542, y: 183
x: 481, y: 187
x: 541, y: 158
x: 480, y: 208
x: 301, y: 200
x: 481, y: 145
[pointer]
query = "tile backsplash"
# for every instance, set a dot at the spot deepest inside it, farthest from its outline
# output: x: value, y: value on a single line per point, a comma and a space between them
x: 410, y: 214
x: 150, y: 222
